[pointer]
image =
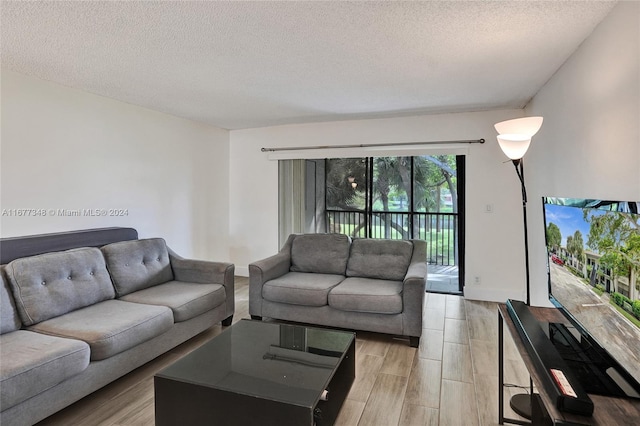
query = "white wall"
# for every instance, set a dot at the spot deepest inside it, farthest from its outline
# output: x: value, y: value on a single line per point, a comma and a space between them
x: 490, y: 180
x: 589, y: 144
x: 67, y: 149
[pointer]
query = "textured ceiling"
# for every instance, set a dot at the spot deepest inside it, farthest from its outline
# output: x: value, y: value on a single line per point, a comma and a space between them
x: 253, y: 64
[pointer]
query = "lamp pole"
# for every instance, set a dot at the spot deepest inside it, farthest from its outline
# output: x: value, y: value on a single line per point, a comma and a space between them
x: 519, y: 166
x: 521, y: 403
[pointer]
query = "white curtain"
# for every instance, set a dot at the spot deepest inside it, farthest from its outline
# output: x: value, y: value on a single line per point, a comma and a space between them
x: 291, y: 176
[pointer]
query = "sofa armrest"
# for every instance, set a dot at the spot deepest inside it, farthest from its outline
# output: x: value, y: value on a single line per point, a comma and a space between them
x: 413, y: 293
x: 416, y: 272
x: 262, y: 271
x: 414, y: 288
x: 206, y: 272
x: 199, y: 271
x: 272, y: 267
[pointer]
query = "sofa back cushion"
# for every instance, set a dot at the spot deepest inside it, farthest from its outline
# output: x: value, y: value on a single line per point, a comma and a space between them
x: 383, y: 259
x: 138, y: 264
x: 320, y: 253
x: 9, y: 320
x: 52, y: 284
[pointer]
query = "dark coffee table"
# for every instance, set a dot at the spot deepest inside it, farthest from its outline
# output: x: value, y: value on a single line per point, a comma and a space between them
x: 259, y: 373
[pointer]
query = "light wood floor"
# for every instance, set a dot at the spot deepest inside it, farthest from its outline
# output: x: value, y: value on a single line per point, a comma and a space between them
x: 451, y: 379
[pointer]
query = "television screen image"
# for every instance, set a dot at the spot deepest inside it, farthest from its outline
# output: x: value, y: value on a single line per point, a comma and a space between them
x: 593, y: 251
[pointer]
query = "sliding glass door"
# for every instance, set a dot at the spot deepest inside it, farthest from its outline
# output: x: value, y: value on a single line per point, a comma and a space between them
x: 418, y: 197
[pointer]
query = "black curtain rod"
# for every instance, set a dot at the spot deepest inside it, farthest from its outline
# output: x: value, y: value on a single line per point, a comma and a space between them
x: 368, y: 145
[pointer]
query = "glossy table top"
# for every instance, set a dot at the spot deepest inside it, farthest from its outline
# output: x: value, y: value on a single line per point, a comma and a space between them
x: 287, y: 363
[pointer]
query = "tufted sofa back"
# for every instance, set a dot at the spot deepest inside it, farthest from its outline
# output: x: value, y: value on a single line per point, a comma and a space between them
x: 138, y: 264
x: 320, y: 253
x: 378, y: 258
x: 52, y: 284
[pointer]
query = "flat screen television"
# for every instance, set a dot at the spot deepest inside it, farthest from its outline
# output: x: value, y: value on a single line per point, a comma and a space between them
x: 593, y: 249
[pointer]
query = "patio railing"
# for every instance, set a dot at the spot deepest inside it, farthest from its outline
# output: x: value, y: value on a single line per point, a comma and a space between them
x: 439, y: 230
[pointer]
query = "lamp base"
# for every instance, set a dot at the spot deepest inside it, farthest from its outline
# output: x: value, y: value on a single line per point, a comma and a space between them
x: 521, y: 404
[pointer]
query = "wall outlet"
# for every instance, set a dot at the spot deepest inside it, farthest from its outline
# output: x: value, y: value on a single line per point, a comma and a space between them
x: 476, y: 280
x: 488, y: 208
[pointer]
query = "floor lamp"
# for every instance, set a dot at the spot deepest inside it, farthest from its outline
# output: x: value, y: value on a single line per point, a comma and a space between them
x: 514, y: 137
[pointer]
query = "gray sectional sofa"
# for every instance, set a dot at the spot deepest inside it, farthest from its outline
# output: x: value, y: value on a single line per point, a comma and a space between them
x: 74, y: 320
x: 328, y: 279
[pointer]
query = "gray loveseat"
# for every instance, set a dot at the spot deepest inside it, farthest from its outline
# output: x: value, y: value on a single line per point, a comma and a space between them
x: 74, y: 320
x: 328, y: 279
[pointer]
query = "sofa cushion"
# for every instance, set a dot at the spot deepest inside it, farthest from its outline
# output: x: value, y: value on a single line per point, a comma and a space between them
x: 138, y: 264
x: 34, y: 362
x: 110, y: 327
x: 299, y: 288
x: 320, y: 253
x: 382, y: 259
x: 9, y: 320
x: 367, y: 295
x: 53, y: 284
x: 186, y: 300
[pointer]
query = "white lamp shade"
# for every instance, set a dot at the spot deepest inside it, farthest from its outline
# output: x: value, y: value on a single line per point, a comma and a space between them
x: 528, y: 126
x: 514, y: 145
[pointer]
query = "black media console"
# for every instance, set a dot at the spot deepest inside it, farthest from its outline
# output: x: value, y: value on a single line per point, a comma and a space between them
x: 549, y: 404
x: 558, y: 379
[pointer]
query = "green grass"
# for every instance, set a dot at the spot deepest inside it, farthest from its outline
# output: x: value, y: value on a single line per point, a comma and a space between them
x: 626, y: 314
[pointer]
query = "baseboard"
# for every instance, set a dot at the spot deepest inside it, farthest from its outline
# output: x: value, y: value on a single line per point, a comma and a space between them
x: 242, y: 271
